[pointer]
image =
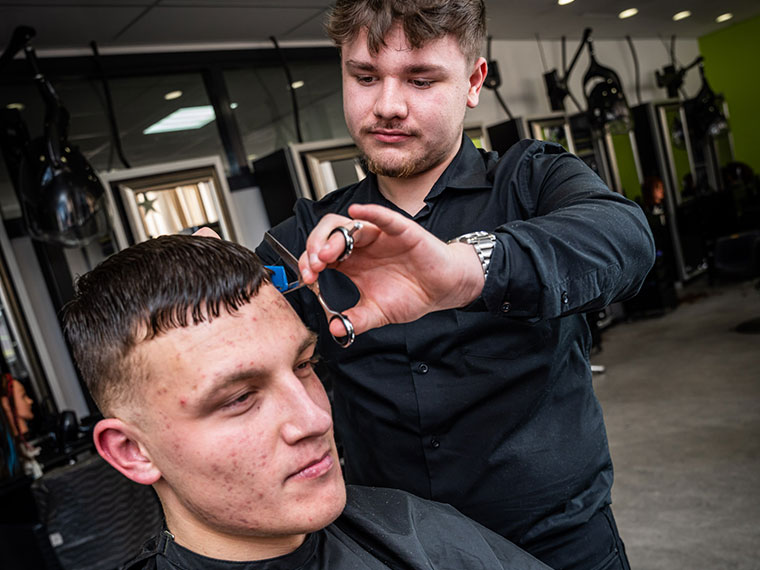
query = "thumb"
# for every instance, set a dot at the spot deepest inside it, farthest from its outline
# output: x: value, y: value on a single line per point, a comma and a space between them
x: 362, y: 317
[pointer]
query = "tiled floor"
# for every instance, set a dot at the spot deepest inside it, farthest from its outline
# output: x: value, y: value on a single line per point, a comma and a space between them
x: 681, y: 397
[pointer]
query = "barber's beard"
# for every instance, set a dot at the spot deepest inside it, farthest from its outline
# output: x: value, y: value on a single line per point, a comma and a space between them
x: 417, y: 161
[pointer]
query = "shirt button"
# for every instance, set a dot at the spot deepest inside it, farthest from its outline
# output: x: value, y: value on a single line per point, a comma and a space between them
x: 435, y: 443
x: 422, y: 368
x: 565, y: 300
x: 505, y: 307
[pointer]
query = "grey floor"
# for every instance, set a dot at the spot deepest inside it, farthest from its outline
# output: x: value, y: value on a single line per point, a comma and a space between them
x: 681, y: 399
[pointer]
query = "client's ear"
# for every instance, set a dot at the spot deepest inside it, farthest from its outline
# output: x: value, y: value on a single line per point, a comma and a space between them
x: 118, y: 443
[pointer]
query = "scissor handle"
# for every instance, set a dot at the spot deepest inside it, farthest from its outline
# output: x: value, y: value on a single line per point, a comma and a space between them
x: 350, y: 336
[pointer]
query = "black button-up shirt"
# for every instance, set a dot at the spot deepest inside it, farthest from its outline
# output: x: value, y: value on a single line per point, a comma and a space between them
x: 490, y: 408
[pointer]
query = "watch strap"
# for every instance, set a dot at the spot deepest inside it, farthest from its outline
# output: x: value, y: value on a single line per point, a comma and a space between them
x: 483, y: 242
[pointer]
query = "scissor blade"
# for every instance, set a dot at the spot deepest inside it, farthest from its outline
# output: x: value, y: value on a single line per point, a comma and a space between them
x: 283, y: 252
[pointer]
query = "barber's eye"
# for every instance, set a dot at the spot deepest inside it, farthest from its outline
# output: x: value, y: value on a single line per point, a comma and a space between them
x: 367, y: 79
x: 422, y: 83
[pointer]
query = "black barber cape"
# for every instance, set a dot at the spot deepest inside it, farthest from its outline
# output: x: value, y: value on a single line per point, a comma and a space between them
x: 379, y: 529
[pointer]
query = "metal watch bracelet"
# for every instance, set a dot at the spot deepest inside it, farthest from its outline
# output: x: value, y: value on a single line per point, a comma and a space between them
x: 483, y: 242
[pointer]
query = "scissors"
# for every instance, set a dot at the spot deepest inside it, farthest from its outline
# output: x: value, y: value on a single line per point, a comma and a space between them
x: 285, y: 288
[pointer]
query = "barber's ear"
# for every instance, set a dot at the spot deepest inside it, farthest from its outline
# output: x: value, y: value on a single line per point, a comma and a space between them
x: 477, y: 77
x: 119, y: 443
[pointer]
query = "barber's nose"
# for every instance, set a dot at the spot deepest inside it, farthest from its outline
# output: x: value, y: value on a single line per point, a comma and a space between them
x: 391, y: 101
x: 307, y: 412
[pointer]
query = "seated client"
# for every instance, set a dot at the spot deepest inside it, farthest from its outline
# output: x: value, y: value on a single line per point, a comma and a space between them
x: 205, y: 376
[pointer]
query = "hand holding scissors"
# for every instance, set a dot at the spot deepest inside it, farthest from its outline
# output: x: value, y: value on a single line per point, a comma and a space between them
x: 290, y: 260
x: 402, y: 271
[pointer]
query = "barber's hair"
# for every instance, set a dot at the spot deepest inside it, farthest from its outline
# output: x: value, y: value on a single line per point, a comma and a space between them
x: 147, y: 290
x: 421, y: 20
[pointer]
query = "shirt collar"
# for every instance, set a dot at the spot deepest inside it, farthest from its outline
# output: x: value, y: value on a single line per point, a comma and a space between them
x: 468, y: 169
x: 190, y: 560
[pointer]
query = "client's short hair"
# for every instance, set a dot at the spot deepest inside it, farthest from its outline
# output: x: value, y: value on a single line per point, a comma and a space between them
x: 146, y: 290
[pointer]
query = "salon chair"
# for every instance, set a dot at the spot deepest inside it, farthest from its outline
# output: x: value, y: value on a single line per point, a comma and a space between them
x: 737, y: 256
x: 92, y: 517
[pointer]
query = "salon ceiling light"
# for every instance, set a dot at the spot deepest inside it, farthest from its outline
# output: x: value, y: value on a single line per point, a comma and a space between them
x: 17, y: 106
x: 564, y: 2
x: 184, y: 119
x: 297, y: 84
x: 171, y: 95
x: 629, y: 13
x: 681, y: 15
x: 724, y: 17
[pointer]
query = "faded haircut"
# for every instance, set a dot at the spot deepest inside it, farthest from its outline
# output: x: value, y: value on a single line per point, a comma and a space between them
x: 422, y: 21
x: 146, y: 290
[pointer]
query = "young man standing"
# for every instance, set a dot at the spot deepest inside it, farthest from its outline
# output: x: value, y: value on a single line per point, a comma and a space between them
x: 490, y: 408
x: 205, y: 376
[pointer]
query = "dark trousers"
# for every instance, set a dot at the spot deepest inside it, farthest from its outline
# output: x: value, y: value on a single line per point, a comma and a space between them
x: 594, y: 546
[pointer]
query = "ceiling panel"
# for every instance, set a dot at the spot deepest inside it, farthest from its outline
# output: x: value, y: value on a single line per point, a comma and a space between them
x: 213, y: 24
x: 67, y: 26
x: 296, y: 4
x: 76, y: 4
x: 523, y: 20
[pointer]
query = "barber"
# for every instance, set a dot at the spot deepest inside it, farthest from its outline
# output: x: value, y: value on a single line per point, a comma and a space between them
x: 477, y: 390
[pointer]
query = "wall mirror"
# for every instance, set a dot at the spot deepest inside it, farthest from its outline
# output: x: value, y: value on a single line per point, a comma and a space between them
x: 172, y: 198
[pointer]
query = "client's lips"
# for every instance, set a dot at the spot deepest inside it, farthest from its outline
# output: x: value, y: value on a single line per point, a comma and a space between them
x: 315, y: 468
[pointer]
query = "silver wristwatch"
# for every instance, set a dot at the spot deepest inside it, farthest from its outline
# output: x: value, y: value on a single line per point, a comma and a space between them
x: 483, y: 242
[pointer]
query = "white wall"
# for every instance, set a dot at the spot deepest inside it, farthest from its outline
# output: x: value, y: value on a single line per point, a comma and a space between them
x: 522, y: 73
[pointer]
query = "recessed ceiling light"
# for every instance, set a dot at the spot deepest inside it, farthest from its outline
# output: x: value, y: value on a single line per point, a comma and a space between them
x: 628, y: 13
x: 563, y: 2
x: 724, y: 17
x: 297, y: 84
x: 173, y: 95
x: 19, y: 106
x: 183, y: 119
x: 233, y: 106
x: 681, y: 15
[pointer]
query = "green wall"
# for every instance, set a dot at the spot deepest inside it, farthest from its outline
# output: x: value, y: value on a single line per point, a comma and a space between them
x: 732, y: 66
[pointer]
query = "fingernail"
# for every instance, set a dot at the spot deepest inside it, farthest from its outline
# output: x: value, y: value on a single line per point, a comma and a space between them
x: 314, y: 258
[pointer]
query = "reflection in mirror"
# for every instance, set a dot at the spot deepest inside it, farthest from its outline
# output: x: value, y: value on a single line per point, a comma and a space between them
x: 627, y: 170
x: 333, y: 168
x: 677, y: 151
x: 553, y: 129
x: 171, y: 210
x: 173, y: 198
x: 478, y: 134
